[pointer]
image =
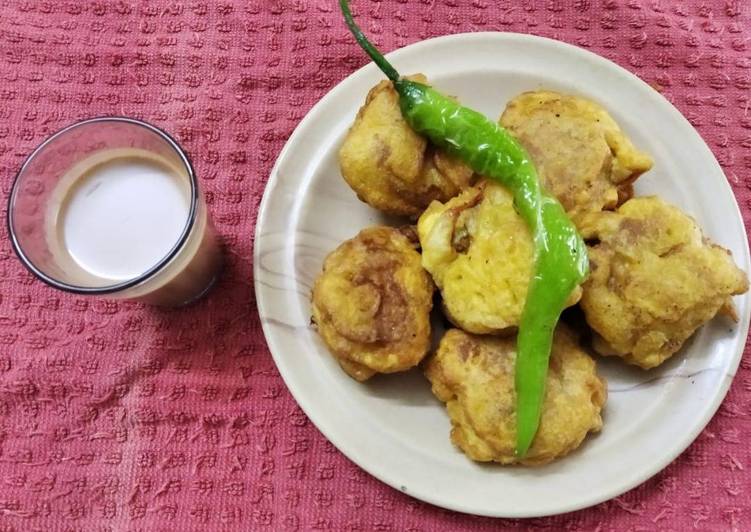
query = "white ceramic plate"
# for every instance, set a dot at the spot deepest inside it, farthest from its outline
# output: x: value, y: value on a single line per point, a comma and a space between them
x: 393, y: 427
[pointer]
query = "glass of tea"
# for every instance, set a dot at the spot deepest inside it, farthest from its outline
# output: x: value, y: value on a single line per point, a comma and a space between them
x: 111, y: 207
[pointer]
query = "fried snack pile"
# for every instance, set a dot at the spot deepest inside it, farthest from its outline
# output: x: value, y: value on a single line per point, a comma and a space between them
x: 474, y: 376
x: 480, y: 254
x: 580, y: 153
x: 392, y: 168
x: 372, y: 304
x: 655, y: 280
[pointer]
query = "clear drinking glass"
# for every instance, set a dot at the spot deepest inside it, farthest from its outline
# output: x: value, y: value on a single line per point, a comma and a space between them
x: 111, y: 207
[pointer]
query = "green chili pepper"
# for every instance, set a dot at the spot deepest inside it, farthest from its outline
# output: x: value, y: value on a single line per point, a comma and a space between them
x: 561, y: 262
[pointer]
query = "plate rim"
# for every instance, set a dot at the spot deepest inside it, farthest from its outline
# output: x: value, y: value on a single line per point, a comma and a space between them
x: 352, y: 454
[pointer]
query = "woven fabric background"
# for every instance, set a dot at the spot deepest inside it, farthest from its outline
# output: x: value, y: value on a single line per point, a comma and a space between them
x: 119, y: 417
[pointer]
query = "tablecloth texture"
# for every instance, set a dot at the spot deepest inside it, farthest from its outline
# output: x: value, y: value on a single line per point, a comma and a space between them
x: 116, y: 416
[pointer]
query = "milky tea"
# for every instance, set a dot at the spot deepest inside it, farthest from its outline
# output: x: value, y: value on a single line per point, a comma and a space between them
x: 121, y: 220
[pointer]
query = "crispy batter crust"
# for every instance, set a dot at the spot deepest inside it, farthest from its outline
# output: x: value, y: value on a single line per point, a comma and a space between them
x: 655, y: 280
x: 480, y: 254
x: 474, y: 376
x: 372, y: 302
x: 581, y: 154
x: 392, y: 168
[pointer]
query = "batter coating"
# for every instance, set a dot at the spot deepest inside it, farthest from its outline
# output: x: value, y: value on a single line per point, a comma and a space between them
x: 474, y: 376
x: 580, y: 152
x: 371, y: 304
x: 392, y: 168
x: 655, y: 279
x: 481, y: 256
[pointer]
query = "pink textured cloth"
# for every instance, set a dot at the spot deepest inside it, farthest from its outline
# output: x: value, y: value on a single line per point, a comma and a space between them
x: 115, y: 416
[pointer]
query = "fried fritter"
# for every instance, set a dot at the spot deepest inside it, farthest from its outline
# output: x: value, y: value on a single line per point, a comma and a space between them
x: 480, y: 253
x: 655, y: 279
x: 372, y: 303
x: 392, y: 168
x: 582, y: 156
x: 474, y: 376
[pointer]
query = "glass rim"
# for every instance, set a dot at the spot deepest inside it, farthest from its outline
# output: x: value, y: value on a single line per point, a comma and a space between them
x: 130, y: 283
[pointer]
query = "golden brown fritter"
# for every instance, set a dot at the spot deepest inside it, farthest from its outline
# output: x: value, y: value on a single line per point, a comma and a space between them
x: 581, y: 154
x: 654, y: 280
x: 480, y: 253
x: 392, y: 168
x: 372, y: 303
x: 474, y: 376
